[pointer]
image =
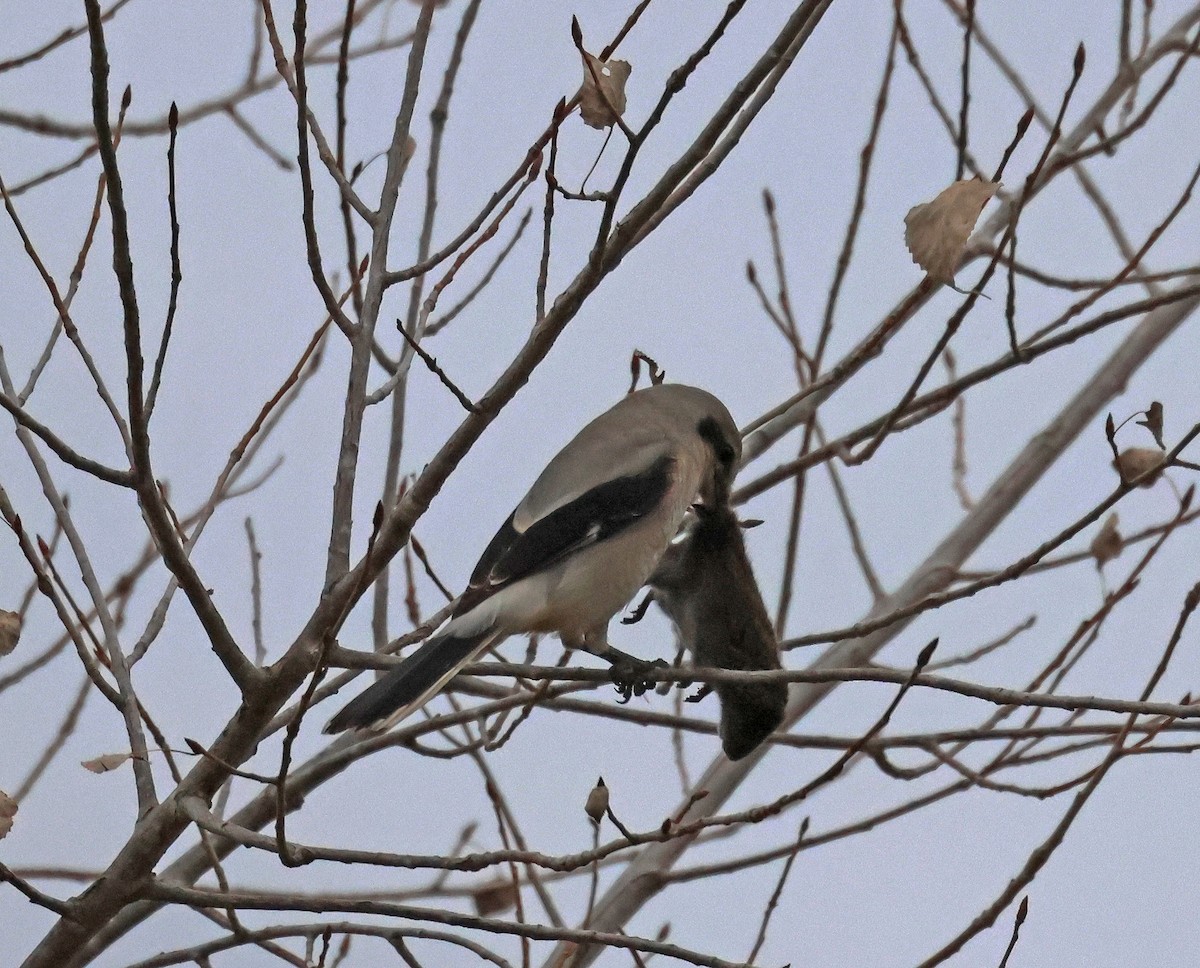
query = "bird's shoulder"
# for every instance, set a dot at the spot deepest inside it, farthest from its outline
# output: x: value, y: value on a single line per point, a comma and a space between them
x: 522, y: 547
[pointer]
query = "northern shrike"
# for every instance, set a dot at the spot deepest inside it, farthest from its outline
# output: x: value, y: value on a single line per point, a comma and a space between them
x: 579, y: 546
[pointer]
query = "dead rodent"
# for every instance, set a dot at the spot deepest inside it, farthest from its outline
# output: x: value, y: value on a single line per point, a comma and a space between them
x: 706, y: 586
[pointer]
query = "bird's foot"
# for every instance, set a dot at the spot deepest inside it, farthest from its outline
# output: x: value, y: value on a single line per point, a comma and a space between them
x: 629, y: 676
x: 700, y: 693
x: 639, y: 610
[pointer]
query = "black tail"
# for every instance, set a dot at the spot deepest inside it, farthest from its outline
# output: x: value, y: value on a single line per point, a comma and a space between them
x: 410, y: 685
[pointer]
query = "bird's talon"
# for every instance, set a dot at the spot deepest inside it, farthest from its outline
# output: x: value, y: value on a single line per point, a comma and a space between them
x: 639, y: 611
x: 630, y: 679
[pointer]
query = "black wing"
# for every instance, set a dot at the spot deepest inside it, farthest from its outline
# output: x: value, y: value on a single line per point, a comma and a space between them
x: 595, y: 515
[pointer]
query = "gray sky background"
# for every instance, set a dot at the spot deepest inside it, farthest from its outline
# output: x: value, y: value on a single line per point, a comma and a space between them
x: 1121, y: 889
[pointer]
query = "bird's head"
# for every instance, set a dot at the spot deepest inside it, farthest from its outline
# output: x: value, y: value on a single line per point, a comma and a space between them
x: 718, y: 430
x: 682, y: 411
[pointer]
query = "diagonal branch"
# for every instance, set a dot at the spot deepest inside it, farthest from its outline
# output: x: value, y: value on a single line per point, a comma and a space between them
x: 243, y: 672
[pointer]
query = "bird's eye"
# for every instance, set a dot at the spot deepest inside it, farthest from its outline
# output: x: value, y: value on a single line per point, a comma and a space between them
x: 722, y: 449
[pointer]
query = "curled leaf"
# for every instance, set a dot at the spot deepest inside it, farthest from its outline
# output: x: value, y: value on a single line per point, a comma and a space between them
x: 936, y: 232
x: 1135, y: 461
x: 602, y: 96
x: 10, y: 631
x: 494, y: 897
x: 597, y: 801
x: 8, y: 810
x: 657, y: 373
x: 1108, y: 543
x: 107, y: 762
x: 1154, y: 423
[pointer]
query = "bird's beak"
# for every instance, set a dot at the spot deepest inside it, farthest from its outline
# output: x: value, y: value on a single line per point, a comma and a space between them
x: 714, y: 491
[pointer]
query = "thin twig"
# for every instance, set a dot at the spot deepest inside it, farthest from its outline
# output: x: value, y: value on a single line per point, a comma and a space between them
x: 33, y: 894
x: 260, y: 650
x: 64, y: 317
x: 281, y: 901
x: 958, y: 424
x: 543, y: 277
x: 76, y: 276
x: 243, y: 673
x: 64, y: 37
x: 67, y: 727
x: 1022, y: 911
x: 436, y: 370
x: 437, y: 325
x: 52, y: 173
x: 256, y: 139
x: 343, y: 81
x: 968, y: 32
x: 398, y: 154
x: 176, y: 271
x: 777, y: 893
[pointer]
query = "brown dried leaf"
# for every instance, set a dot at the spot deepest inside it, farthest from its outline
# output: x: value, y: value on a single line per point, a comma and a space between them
x: 936, y: 232
x: 597, y: 801
x: 8, y: 810
x: 657, y: 373
x: 1136, y: 461
x: 10, y: 631
x: 494, y: 897
x: 1154, y: 423
x: 1108, y: 543
x: 600, y: 105
x: 107, y: 762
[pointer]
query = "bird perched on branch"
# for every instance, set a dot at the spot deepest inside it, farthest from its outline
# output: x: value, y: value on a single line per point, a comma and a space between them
x: 578, y: 547
x: 705, y: 584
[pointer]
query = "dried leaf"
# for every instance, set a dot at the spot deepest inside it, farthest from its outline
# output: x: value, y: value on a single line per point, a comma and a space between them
x: 1108, y: 543
x: 657, y: 373
x: 494, y: 897
x: 107, y: 762
x: 936, y: 232
x: 8, y: 810
x: 601, y: 104
x: 10, y: 631
x: 1136, y: 461
x: 1154, y: 423
x: 597, y: 801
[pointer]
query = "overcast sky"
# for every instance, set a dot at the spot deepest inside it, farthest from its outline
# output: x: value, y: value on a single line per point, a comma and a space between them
x: 1117, y: 893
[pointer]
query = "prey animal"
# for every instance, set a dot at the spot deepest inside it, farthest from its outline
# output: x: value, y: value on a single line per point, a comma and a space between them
x: 705, y: 585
